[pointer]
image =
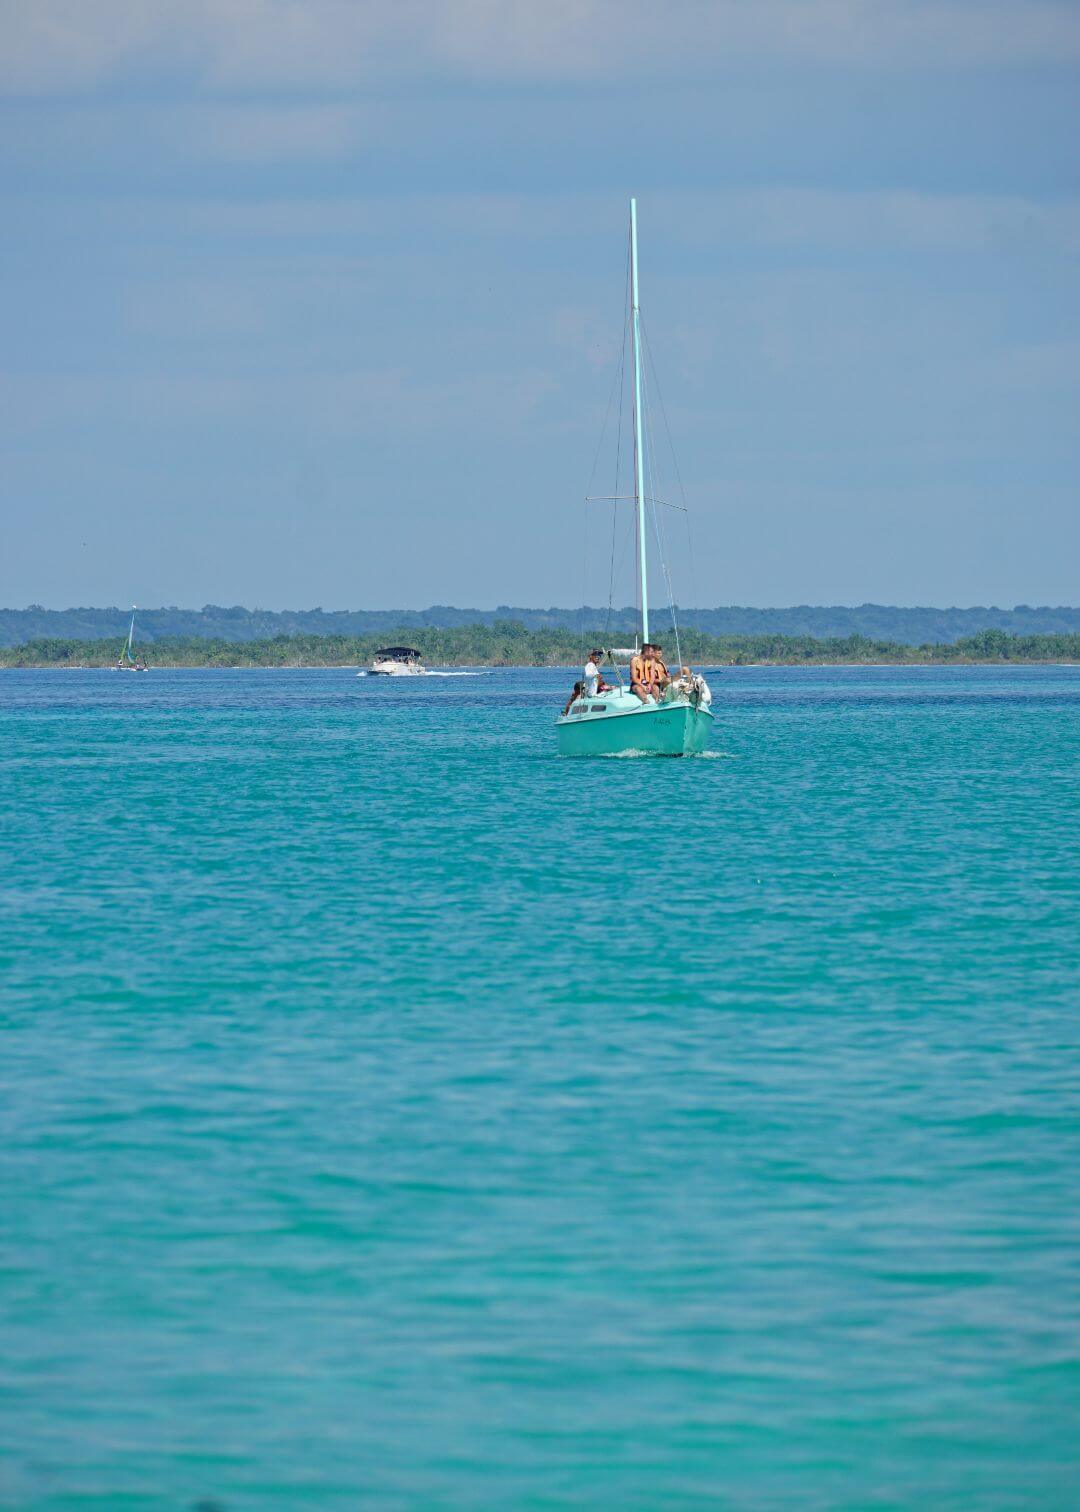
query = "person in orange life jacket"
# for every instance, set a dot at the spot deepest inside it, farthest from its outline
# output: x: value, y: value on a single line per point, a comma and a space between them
x: 648, y: 673
x: 661, y: 675
x: 637, y: 676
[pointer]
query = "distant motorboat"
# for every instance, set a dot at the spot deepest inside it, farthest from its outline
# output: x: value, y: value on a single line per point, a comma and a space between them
x: 127, y: 661
x: 396, y: 661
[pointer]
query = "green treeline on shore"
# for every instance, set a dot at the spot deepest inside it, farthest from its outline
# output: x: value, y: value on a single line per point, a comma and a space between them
x: 912, y: 626
x: 508, y: 643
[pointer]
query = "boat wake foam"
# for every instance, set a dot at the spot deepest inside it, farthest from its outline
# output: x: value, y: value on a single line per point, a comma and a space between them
x: 667, y: 755
x: 629, y: 755
x: 365, y: 673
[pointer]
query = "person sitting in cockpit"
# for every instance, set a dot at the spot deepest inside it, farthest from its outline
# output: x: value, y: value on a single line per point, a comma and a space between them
x: 594, y: 682
x: 648, y: 673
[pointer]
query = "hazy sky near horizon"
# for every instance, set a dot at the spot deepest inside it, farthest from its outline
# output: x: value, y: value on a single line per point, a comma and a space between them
x: 319, y: 303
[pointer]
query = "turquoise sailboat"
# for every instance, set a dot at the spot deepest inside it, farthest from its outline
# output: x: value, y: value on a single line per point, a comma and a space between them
x: 676, y: 721
x: 127, y: 661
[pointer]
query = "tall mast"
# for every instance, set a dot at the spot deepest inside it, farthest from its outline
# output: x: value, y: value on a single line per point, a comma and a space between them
x: 639, y: 425
x: 131, y: 631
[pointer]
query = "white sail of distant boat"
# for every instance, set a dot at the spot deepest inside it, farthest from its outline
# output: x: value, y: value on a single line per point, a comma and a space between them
x: 127, y: 660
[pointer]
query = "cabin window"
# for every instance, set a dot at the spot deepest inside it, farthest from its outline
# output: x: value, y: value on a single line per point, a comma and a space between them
x: 580, y: 709
x: 599, y: 708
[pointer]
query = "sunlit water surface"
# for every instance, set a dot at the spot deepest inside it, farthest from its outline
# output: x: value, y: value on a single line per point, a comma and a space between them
x: 397, y: 1115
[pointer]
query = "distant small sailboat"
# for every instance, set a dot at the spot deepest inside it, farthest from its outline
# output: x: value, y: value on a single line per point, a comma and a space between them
x: 396, y: 661
x: 127, y: 661
x: 673, y: 720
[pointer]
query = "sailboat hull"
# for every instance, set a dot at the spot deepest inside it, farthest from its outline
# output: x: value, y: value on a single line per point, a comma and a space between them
x: 675, y: 729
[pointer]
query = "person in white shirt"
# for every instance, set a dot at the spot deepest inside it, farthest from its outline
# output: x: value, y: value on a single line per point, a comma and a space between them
x: 594, y: 683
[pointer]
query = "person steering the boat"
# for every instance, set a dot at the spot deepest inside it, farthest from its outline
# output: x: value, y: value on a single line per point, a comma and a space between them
x: 594, y: 682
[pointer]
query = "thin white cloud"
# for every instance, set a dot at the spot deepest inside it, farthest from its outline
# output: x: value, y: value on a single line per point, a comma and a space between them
x: 57, y: 44
x: 190, y: 310
x: 374, y: 400
x: 851, y: 222
x: 273, y: 133
x: 858, y: 221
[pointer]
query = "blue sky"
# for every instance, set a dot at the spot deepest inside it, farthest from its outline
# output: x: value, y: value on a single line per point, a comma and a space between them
x: 317, y: 303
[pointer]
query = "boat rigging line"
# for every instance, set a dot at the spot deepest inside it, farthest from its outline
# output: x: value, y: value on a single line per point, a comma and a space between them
x: 650, y: 496
x: 661, y: 542
x: 678, y: 474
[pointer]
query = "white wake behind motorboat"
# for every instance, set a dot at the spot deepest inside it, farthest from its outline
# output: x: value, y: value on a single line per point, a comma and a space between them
x: 396, y: 661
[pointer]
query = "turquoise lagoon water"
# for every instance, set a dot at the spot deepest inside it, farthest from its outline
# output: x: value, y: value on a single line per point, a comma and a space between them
x: 396, y: 1115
